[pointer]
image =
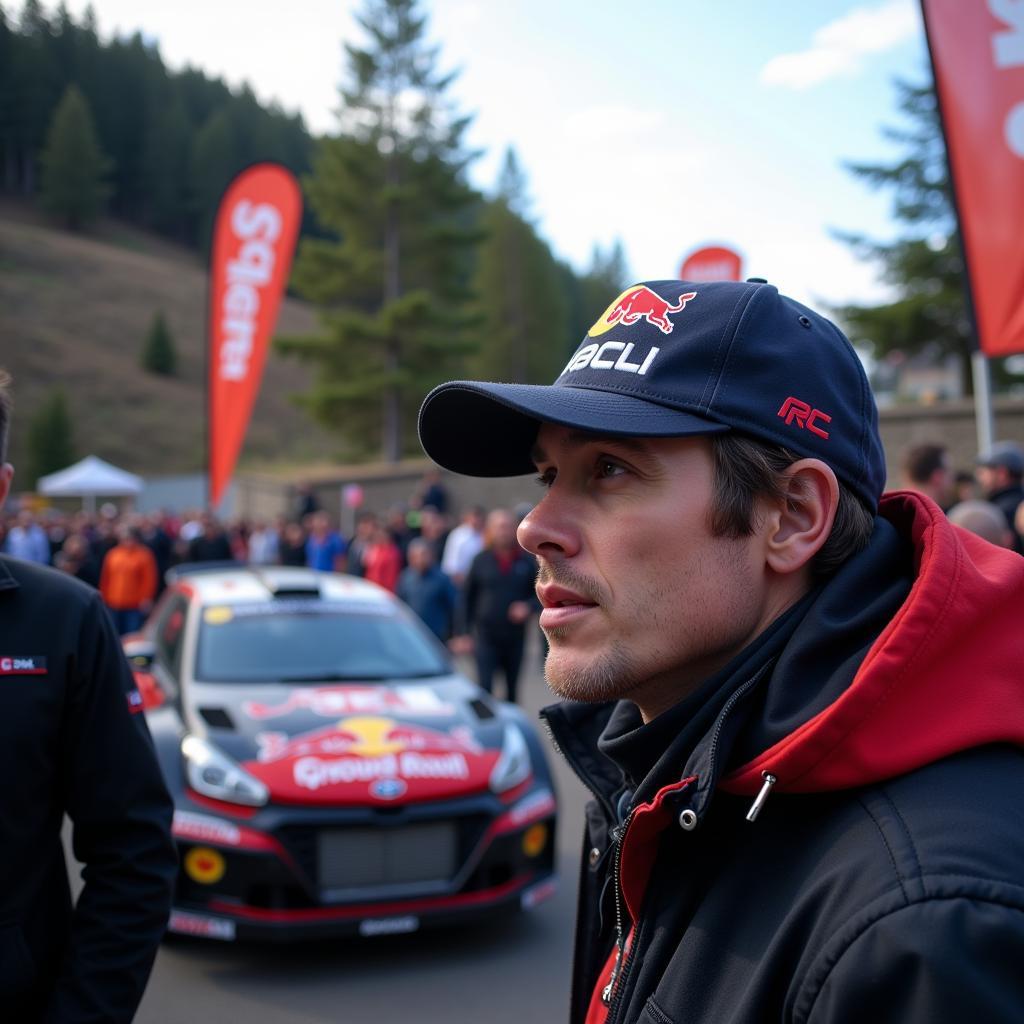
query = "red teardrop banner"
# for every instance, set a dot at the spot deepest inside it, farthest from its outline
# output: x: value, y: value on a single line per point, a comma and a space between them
x: 254, y: 239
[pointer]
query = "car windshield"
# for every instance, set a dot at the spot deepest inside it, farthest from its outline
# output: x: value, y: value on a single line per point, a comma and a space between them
x: 313, y: 641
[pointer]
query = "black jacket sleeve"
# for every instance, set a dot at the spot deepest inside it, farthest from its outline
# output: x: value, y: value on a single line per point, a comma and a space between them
x: 121, y: 816
x: 940, y: 960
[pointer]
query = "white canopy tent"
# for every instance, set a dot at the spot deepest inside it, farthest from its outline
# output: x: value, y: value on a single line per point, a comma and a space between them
x: 89, y: 478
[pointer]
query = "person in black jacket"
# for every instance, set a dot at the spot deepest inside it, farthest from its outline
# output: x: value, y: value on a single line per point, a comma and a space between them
x: 496, y: 602
x: 796, y: 702
x: 73, y: 741
x: 1000, y: 471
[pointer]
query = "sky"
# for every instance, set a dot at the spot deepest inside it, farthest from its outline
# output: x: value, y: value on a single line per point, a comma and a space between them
x: 664, y: 124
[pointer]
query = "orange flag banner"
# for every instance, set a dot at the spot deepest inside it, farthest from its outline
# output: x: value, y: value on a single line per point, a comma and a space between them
x: 254, y: 239
x: 977, y: 50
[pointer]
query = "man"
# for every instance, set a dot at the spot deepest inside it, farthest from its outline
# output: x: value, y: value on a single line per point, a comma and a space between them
x: 1000, y: 471
x: 325, y: 549
x: 27, y: 540
x: 926, y: 469
x: 497, y: 601
x: 984, y: 519
x: 72, y: 741
x: 801, y: 721
x: 212, y: 544
x: 128, y: 581
x: 427, y: 590
x: 463, y: 545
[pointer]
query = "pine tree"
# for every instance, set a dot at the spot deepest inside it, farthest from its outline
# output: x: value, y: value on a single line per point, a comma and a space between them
x: 524, y: 310
x: 393, y: 289
x: 73, y: 163
x: 50, y: 437
x: 924, y: 265
x: 158, y: 353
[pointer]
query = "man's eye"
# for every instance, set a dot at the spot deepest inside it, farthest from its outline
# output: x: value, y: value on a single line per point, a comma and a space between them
x: 547, y: 478
x: 606, y: 469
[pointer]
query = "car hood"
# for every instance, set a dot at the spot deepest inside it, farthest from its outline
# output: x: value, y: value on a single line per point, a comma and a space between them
x: 355, y: 743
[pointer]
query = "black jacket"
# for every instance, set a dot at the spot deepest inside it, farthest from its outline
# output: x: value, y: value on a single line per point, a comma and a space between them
x: 883, y: 878
x: 487, y: 593
x: 73, y: 740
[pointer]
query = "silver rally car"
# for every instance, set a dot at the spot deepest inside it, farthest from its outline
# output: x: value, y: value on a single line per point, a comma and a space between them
x: 332, y: 772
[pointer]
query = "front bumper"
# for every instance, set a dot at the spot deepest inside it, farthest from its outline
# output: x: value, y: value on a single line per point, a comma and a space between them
x: 259, y: 878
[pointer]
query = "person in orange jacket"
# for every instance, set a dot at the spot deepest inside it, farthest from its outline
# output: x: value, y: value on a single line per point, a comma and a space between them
x: 128, y: 581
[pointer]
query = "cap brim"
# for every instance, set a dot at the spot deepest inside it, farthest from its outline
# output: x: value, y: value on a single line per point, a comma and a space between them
x: 485, y: 429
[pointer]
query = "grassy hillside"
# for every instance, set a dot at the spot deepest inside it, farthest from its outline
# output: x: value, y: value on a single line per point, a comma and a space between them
x: 74, y: 311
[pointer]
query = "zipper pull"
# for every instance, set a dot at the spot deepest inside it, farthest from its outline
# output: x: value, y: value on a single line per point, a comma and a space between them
x: 606, y: 992
x: 766, y: 788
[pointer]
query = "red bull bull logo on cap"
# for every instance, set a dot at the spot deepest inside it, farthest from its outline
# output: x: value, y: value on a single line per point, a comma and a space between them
x: 640, y: 302
x: 634, y: 304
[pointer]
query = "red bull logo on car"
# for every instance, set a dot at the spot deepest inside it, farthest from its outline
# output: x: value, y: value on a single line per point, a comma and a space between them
x: 369, y: 758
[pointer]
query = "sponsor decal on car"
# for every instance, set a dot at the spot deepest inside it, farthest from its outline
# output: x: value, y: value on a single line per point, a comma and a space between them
x: 184, y: 923
x: 388, y: 789
x: 204, y: 865
x: 333, y: 701
x: 389, y: 925
x: 364, y: 736
x: 370, y: 754
x: 538, y: 893
x: 205, y: 828
x: 313, y: 772
x: 536, y: 805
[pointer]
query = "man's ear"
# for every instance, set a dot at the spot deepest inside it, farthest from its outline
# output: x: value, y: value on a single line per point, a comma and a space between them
x: 800, y: 520
x: 6, y: 475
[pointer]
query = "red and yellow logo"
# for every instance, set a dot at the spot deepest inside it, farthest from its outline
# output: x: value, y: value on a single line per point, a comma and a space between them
x: 204, y: 865
x: 636, y: 303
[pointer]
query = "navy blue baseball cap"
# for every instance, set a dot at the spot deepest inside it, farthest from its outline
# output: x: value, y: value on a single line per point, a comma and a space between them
x: 674, y: 359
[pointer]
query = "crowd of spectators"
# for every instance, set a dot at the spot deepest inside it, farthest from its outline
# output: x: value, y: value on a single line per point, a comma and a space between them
x: 988, y: 501
x: 416, y: 550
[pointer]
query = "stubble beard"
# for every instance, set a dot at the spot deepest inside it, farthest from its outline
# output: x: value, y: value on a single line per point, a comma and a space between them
x: 609, y: 676
x: 619, y: 671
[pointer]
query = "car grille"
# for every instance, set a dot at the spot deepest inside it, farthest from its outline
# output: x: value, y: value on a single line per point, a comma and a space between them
x: 412, y: 855
x: 361, y: 861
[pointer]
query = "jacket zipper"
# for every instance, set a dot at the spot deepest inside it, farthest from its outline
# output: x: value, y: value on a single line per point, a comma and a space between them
x: 611, y: 993
x: 618, y: 837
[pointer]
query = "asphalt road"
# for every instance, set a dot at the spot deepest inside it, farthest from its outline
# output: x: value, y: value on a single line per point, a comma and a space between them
x: 515, y: 969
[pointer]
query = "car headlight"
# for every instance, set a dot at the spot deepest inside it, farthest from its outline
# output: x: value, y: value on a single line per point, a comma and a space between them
x: 513, y: 765
x: 211, y: 772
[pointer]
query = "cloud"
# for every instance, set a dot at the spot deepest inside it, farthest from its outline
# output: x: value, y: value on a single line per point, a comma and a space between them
x: 839, y: 48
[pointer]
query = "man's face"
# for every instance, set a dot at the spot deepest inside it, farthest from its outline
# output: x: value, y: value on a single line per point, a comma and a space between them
x: 991, y: 478
x: 640, y: 599
x: 501, y: 528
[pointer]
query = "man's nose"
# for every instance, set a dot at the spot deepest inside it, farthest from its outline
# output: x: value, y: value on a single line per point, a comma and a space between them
x: 550, y: 530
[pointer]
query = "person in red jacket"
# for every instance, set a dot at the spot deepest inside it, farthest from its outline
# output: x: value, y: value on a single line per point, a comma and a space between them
x: 128, y: 581
x: 796, y: 702
x: 382, y: 562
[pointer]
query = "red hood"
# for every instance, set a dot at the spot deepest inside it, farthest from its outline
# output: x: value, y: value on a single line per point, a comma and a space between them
x: 943, y: 676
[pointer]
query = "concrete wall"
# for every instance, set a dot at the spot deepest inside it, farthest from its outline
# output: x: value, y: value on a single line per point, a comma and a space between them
x: 950, y: 423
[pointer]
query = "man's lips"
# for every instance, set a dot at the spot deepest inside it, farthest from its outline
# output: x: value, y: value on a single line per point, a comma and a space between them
x: 553, y: 596
x: 561, y: 606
